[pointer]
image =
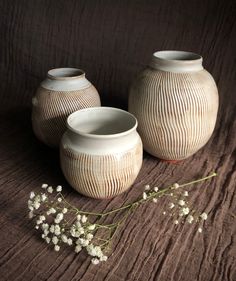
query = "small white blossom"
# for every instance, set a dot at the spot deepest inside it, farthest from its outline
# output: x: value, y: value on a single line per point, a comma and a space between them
x: 95, y: 261
x: 83, y: 219
x: 72, y: 231
x: 103, y: 258
x: 44, y: 185
x: 94, y: 251
x: 45, y: 226
x: 36, y: 205
x: 64, y: 238
x: 47, y: 239
x: 77, y: 224
x: 59, y: 199
x: 82, y: 242
x: 78, y: 217
x: 57, y: 248
x: 164, y: 213
x: 59, y: 188
x: 59, y: 217
x: 184, y: 211
x: 190, y: 219
x: 69, y: 241
x: 171, y: 194
x: 181, y: 202
x: 39, y: 222
x: 200, y: 230
x: 50, y: 189
x: 55, y: 240
x: 91, y: 227
x: 79, y: 232
x: 154, y: 200
x: 36, y: 227
x: 31, y: 214
x: 57, y: 230
x: 42, y: 218
x: 89, y: 236
x: 144, y: 195
x: 76, y: 231
x: 156, y: 188
x: 32, y: 195
x: 43, y: 236
x: 185, y: 193
x: 171, y: 205
x: 175, y: 185
x: 203, y: 216
x: 31, y: 208
x: 52, y: 228
x: 46, y: 232
x: 51, y: 211
x: 176, y: 222
x: 64, y: 210
x: 147, y: 187
x: 44, y: 197
x: 30, y: 202
x: 78, y: 248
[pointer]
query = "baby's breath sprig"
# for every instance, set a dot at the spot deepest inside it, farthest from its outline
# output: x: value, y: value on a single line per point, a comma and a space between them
x: 61, y: 223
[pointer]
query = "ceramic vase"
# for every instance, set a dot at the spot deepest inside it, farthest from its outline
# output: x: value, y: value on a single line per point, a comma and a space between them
x: 175, y: 101
x: 64, y: 91
x: 101, y: 151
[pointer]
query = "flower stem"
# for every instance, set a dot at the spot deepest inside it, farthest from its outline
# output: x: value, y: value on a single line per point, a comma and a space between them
x: 138, y: 202
x: 157, y: 194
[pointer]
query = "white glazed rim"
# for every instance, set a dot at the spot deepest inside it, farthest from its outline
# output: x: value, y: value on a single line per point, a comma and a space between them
x: 178, y: 56
x: 65, y: 73
x: 102, y: 136
x: 176, y: 61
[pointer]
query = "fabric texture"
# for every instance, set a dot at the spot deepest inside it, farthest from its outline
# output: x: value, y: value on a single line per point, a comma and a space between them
x: 113, y: 41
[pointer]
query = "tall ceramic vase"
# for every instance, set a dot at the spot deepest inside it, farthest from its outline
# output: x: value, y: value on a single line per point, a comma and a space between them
x: 101, y: 152
x: 175, y: 101
x: 64, y: 91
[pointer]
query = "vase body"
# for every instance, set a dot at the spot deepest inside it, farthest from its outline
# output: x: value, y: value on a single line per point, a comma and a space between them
x: 64, y: 91
x: 101, y: 152
x: 175, y: 101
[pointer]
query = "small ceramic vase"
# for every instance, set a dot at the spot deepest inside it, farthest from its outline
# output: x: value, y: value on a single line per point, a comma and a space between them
x: 101, y: 152
x: 175, y: 101
x: 64, y: 91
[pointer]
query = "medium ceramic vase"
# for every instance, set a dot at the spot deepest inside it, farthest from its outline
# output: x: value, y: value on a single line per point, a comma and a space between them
x: 175, y: 101
x: 101, y: 152
x: 64, y: 91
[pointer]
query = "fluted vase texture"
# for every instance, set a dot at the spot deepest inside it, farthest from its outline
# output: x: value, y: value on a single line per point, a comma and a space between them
x: 175, y: 101
x: 101, y: 151
x: 64, y: 91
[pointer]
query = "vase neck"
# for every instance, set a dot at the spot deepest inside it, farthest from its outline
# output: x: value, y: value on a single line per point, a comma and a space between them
x: 66, y: 73
x: 65, y: 79
x: 176, y: 61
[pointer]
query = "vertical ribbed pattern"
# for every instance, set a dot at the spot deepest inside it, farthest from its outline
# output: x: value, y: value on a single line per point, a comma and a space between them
x: 176, y: 111
x: 101, y: 176
x: 51, y: 109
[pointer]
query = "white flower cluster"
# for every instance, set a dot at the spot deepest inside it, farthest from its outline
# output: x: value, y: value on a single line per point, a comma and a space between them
x: 149, y: 191
x: 35, y: 202
x: 52, y: 219
x: 179, y: 208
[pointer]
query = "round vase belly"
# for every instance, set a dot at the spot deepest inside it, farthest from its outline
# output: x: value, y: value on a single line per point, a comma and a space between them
x: 101, y: 152
x: 175, y: 101
x: 64, y: 91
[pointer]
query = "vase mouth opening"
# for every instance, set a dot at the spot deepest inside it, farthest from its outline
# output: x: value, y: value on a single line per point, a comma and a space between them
x: 65, y: 73
x: 176, y: 61
x: 102, y: 122
x: 177, y: 56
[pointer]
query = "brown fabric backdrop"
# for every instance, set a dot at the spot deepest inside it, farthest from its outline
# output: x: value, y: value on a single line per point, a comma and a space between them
x: 112, y: 41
